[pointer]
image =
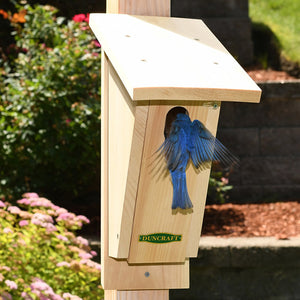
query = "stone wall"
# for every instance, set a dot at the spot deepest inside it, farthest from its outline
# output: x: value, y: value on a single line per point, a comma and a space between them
x: 239, y: 268
x: 227, y: 19
x: 266, y: 137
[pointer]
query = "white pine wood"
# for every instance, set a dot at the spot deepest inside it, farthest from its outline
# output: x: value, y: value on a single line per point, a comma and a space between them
x: 162, y: 58
x: 137, y: 295
x: 117, y: 274
x: 139, y: 7
x: 153, y: 213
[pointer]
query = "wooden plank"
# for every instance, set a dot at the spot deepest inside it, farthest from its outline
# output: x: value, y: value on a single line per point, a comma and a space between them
x: 210, y: 118
x: 118, y: 274
x: 139, y: 7
x: 153, y: 213
x: 137, y: 295
x: 156, y: 58
x: 121, y: 120
x: 127, y: 125
x: 104, y: 163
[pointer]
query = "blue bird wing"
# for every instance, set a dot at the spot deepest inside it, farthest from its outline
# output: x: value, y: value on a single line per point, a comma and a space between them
x: 204, y: 147
x: 174, y: 147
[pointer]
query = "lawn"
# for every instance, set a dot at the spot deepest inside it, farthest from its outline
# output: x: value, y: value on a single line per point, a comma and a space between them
x: 282, y: 17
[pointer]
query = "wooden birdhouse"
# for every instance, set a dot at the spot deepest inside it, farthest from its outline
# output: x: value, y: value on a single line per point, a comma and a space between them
x: 151, y: 67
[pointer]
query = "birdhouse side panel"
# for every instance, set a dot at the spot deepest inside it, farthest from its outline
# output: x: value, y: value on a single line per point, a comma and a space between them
x: 121, y: 117
x: 141, y: 114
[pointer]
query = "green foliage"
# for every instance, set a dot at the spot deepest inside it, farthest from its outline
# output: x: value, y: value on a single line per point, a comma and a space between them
x: 40, y: 255
x: 218, y: 188
x: 282, y: 16
x: 50, y: 106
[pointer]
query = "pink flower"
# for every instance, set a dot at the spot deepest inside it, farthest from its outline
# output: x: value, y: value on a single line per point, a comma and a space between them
x: 50, y: 227
x: 71, y: 297
x: 30, y: 195
x: 84, y: 219
x: 11, y: 284
x: 7, y: 230
x: 6, y: 296
x: 90, y: 264
x: 81, y: 241
x: 65, y: 216
x: 43, y: 220
x: 42, y: 202
x: 14, y: 209
x: 23, y: 223
x: 96, y: 43
x: 62, y: 238
x: 2, y: 204
x: 60, y: 210
x: 43, y: 290
x: 85, y: 255
x: 224, y: 180
x: 25, y: 201
x: 63, y: 264
x: 79, y: 18
x: 94, y: 253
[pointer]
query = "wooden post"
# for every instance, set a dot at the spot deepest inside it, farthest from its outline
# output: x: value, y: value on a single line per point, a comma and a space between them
x: 150, y: 8
x: 139, y: 7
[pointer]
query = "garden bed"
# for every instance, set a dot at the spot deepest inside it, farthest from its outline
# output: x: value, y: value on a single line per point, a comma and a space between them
x: 280, y: 220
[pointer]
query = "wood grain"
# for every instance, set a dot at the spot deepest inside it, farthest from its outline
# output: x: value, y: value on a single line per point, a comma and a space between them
x: 121, y: 120
x: 157, y: 59
x: 139, y: 7
x: 137, y: 295
x: 117, y: 274
x: 153, y: 213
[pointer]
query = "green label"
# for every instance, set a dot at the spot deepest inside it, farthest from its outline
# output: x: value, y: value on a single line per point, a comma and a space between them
x: 160, y: 238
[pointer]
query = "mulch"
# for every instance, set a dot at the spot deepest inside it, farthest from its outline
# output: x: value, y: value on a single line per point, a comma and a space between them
x: 261, y: 75
x: 280, y: 220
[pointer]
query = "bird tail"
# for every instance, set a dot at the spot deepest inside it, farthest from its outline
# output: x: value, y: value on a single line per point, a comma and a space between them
x: 181, y: 197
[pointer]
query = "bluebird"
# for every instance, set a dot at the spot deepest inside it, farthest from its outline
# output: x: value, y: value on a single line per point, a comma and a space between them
x: 184, y: 141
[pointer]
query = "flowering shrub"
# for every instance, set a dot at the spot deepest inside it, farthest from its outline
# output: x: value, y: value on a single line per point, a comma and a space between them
x: 49, y: 104
x: 40, y: 255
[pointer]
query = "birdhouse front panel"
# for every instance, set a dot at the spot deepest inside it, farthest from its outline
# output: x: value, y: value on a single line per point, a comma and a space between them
x: 162, y: 230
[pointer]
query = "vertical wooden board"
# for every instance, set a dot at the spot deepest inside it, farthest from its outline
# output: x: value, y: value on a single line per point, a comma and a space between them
x: 137, y: 295
x: 104, y: 162
x: 139, y: 7
x: 200, y: 183
x: 153, y: 213
x: 117, y: 274
x: 121, y: 116
x: 122, y: 238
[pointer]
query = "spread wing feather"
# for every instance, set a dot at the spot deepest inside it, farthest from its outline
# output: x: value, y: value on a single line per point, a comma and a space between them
x: 172, y: 149
x: 206, y: 148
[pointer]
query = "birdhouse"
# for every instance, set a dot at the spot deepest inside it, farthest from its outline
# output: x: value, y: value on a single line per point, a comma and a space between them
x: 153, y: 67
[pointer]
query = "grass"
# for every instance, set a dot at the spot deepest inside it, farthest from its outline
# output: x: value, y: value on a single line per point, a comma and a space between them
x: 283, y: 18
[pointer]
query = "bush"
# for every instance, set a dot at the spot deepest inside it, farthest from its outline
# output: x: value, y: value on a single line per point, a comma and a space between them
x: 218, y: 188
x: 50, y: 105
x: 40, y: 256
